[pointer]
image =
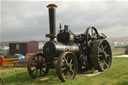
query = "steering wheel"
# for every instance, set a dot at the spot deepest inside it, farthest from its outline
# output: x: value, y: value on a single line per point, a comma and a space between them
x: 91, y: 35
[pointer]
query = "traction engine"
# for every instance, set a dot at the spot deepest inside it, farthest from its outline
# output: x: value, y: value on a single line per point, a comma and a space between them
x: 70, y: 53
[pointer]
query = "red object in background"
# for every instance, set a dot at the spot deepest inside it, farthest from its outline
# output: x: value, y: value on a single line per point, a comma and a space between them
x: 32, y: 47
x: 1, y: 60
x: 23, y: 47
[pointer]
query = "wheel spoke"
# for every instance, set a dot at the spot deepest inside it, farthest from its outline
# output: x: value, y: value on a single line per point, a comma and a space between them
x: 89, y: 35
x: 106, y: 54
x: 38, y: 59
x: 106, y: 64
x: 99, y: 50
x: 40, y: 71
x: 33, y: 64
x: 101, y: 64
x: 66, y: 75
x: 92, y: 32
x: 43, y: 71
x: 69, y: 75
x: 95, y: 36
x: 71, y: 61
x: 35, y: 60
x: 89, y: 42
x: 63, y: 68
x: 102, y: 47
x: 71, y: 70
x: 105, y: 47
x: 34, y: 70
x: 42, y: 60
x: 65, y: 60
x: 99, y: 55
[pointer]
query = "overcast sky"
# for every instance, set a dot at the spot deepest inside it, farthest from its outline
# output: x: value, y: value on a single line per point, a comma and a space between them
x: 28, y: 20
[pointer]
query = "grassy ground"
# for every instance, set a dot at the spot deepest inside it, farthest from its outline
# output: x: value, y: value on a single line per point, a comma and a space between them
x: 116, y: 75
x: 118, y: 51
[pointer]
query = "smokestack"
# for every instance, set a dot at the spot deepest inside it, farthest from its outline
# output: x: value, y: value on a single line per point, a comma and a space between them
x: 52, y: 21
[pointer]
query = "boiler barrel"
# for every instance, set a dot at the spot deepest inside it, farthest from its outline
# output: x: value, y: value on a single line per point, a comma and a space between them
x: 54, y: 49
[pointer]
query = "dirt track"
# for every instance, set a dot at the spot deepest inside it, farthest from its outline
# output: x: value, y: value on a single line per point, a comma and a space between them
x: 11, y: 69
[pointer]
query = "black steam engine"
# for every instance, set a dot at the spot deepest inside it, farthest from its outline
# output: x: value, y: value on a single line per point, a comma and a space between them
x: 70, y: 53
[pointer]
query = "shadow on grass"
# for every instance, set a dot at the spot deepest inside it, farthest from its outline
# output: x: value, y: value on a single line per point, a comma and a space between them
x: 23, y: 78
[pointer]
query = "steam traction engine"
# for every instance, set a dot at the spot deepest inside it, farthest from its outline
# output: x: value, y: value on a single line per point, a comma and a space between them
x: 70, y: 53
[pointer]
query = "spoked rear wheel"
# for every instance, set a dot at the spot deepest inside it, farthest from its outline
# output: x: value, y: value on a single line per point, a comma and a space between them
x: 37, y: 66
x: 67, y: 66
x: 101, y: 55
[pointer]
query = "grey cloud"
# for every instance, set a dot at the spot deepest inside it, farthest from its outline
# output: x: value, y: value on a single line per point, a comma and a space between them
x: 28, y: 20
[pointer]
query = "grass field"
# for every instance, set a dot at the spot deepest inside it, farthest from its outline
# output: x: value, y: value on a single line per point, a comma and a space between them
x: 118, y: 51
x: 116, y: 75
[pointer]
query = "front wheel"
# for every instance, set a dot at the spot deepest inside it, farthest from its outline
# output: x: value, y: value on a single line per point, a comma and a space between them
x: 37, y: 66
x: 67, y: 66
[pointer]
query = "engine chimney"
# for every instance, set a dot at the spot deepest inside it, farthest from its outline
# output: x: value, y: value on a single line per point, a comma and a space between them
x: 52, y: 21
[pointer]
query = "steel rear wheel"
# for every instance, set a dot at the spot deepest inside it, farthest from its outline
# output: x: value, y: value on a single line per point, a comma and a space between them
x: 67, y: 66
x: 101, y: 55
x: 37, y: 66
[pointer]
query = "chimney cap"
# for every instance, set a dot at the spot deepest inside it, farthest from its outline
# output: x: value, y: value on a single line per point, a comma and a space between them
x: 52, y: 6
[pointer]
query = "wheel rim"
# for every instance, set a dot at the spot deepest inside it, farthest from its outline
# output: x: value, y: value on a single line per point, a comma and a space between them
x: 67, y: 66
x: 101, y: 55
x: 91, y: 35
x: 37, y: 66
